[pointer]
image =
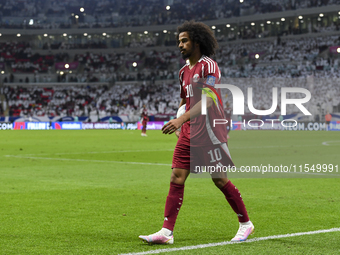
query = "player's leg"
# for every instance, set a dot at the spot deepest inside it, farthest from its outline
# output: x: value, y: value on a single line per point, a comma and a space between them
x: 174, y: 200
x: 228, y: 128
x: 232, y: 195
x: 144, y: 129
x: 173, y: 204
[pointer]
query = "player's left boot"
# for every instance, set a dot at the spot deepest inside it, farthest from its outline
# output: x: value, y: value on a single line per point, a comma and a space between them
x: 160, y: 237
x: 245, y: 229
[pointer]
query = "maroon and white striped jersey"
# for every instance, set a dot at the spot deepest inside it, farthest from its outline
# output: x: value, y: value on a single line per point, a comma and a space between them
x: 200, y: 130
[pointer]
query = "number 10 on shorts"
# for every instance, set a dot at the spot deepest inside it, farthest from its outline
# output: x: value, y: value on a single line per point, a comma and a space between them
x: 215, y: 155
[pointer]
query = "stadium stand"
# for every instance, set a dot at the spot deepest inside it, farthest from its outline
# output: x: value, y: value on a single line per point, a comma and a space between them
x: 104, y: 13
x: 90, y: 100
x: 35, y: 75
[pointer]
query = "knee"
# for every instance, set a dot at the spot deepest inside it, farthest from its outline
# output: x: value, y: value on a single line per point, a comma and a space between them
x: 177, y: 178
x: 220, y: 182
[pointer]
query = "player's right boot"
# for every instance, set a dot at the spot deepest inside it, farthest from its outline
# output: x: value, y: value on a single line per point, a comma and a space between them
x: 159, y: 237
x: 244, y: 231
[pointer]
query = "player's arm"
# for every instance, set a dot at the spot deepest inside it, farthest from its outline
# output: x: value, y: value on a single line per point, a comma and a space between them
x: 174, y: 124
x: 183, y: 101
x: 196, y: 109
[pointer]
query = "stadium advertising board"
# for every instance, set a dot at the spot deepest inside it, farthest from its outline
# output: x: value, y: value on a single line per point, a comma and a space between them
x: 100, y: 125
x: 31, y: 125
x: 131, y: 126
x: 307, y: 126
x: 66, y: 125
x: 152, y: 125
x: 46, y: 125
x: 106, y: 125
x: 37, y: 125
x: 255, y: 124
x: 334, y: 126
x: 6, y: 126
x: 292, y: 126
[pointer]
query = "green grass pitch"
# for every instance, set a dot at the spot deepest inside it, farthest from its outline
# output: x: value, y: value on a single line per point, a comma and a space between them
x: 86, y: 192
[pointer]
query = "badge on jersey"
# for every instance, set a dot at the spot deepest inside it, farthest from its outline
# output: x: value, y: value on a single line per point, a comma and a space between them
x: 211, y: 80
x: 210, y: 91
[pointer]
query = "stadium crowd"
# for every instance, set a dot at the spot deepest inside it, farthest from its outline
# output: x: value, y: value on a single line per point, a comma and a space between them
x: 304, y: 58
x: 118, y: 13
x: 281, y: 57
x: 128, y: 99
x: 86, y: 100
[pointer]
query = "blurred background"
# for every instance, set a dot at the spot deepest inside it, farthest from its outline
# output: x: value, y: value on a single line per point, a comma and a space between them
x: 100, y: 61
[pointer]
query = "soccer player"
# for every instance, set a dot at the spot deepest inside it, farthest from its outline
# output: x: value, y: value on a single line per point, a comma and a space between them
x: 144, y: 120
x: 197, y: 43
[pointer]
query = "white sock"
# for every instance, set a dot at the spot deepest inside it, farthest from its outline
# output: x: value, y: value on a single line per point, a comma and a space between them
x: 245, y: 223
x: 167, y: 232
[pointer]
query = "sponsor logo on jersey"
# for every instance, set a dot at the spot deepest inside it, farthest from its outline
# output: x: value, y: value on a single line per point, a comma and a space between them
x: 196, y: 77
x: 211, y: 80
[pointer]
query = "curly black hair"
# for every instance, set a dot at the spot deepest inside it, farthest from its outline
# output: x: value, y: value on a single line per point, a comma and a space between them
x: 201, y: 34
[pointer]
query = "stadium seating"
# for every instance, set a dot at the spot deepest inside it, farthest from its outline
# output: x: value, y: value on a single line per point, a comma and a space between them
x: 282, y: 57
x: 104, y: 13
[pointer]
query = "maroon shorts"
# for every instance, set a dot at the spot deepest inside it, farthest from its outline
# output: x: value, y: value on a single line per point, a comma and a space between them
x: 144, y: 123
x: 181, y: 157
x: 195, y: 158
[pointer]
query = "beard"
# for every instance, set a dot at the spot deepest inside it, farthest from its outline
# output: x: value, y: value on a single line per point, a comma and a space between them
x: 186, y: 55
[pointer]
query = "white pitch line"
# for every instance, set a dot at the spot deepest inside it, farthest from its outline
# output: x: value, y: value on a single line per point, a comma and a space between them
x: 328, y: 143
x: 137, y: 163
x: 99, y: 152
x: 269, y: 146
x: 91, y: 152
x: 256, y: 239
x: 332, y: 175
x: 89, y: 160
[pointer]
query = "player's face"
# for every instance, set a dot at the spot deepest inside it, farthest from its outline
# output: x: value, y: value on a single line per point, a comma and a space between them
x: 185, y: 45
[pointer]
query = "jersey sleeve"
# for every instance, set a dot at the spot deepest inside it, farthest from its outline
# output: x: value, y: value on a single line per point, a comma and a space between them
x: 211, y: 69
x: 182, y: 92
x: 212, y: 76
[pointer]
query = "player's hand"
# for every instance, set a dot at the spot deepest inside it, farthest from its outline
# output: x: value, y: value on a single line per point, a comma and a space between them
x: 171, y: 126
